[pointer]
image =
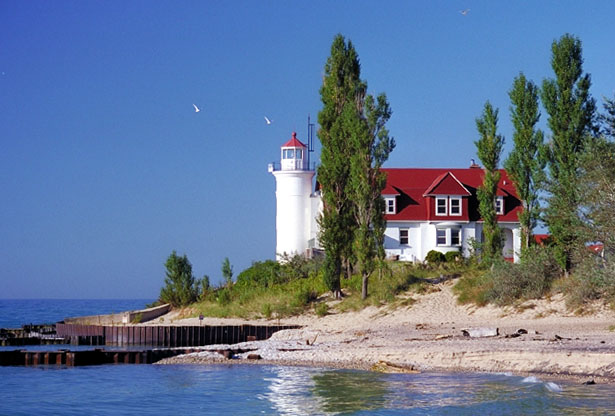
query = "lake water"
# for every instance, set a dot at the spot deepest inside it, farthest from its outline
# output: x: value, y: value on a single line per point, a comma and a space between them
x: 279, y: 390
x: 16, y: 312
x: 270, y: 390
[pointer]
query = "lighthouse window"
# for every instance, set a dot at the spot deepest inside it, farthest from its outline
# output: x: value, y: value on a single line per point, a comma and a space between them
x: 299, y: 154
x: 288, y: 154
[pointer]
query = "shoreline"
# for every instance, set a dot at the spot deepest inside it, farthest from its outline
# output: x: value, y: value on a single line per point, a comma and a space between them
x: 540, y: 338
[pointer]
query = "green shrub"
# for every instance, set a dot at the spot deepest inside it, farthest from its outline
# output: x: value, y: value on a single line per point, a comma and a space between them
x: 452, y: 256
x: 224, y: 296
x: 321, y: 309
x: 530, y: 279
x: 593, y: 278
x: 434, y: 257
x: 260, y: 274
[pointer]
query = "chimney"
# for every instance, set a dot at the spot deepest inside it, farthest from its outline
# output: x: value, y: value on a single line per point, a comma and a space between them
x: 473, y: 164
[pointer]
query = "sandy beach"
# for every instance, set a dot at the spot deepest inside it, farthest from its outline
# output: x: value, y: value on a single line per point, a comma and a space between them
x: 538, y: 337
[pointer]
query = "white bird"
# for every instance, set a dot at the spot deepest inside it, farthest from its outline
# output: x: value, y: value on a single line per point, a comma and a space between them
x: 464, y: 12
x: 196, y: 109
x: 268, y: 121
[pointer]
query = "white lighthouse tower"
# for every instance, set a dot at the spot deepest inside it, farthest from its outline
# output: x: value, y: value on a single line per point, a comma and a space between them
x: 293, y: 182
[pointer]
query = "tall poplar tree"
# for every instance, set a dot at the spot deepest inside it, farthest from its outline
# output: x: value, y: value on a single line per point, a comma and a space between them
x: 371, y: 148
x: 489, y: 150
x: 341, y: 93
x: 525, y: 164
x: 571, y: 113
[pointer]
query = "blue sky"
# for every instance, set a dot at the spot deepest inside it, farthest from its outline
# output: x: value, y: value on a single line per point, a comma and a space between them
x: 105, y: 168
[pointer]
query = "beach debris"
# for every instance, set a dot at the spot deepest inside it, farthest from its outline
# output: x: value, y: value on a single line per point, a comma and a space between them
x: 558, y: 338
x: 442, y: 336
x: 388, y: 367
x: 519, y: 332
x: 480, y: 332
x: 254, y: 357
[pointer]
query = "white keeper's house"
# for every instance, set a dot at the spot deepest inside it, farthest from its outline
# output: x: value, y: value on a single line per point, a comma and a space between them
x: 426, y: 208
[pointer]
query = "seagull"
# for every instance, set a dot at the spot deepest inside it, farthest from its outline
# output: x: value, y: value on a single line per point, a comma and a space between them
x: 196, y: 109
x: 464, y: 12
x: 268, y: 121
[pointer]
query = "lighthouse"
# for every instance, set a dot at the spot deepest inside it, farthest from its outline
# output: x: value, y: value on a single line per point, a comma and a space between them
x: 294, y: 223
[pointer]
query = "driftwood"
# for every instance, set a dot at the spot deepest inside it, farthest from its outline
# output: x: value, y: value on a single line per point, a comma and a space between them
x: 480, y: 332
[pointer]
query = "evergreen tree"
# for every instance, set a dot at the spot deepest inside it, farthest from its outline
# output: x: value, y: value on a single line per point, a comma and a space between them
x: 525, y: 165
x: 489, y: 150
x: 571, y: 112
x: 371, y: 148
x: 341, y: 94
x: 227, y: 271
x: 180, y: 287
x: 608, y: 120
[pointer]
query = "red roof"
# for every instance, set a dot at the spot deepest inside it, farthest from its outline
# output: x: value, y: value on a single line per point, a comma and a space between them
x: 294, y: 142
x: 446, y: 184
x: 418, y: 187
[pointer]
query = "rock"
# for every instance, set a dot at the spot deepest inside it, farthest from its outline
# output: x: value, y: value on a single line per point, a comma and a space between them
x: 254, y: 357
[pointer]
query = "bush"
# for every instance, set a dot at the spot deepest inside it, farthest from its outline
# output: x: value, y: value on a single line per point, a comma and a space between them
x: 435, y: 257
x: 530, y: 279
x: 321, y: 309
x: 224, y: 296
x: 592, y: 279
x: 260, y: 274
x: 452, y: 256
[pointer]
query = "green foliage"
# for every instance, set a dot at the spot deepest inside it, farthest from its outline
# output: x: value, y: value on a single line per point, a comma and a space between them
x: 321, y: 309
x: 530, y: 279
x: 489, y: 150
x: 260, y: 274
x: 180, y: 288
x: 608, y: 120
x: 571, y: 112
x: 371, y: 146
x: 341, y: 92
x: 227, y: 271
x: 224, y: 296
x: 434, y: 257
x: 452, y: 256
x: 526, y: 162
x: 474, y: 288
x: 137, y: 318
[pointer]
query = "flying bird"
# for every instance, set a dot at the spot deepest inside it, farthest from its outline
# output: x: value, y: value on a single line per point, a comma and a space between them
x: 196, y: 109
x: 268, y: 121
x: 464, y: 12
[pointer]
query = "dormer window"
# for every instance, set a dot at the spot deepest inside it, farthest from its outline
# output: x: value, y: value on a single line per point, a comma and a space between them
x: 499, y: 205
x: 441, y: 206
x: 390, y: 205
x: 455, y: 206
x: 448, y: 205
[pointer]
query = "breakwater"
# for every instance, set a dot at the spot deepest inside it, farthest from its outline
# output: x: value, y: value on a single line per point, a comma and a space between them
x: 97, y: 356
x: 165, y: 336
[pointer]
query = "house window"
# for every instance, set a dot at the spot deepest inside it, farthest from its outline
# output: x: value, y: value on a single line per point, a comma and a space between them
x: 455, y: 237
x: 499, y: 205
x: 441, y: 206
x: 390, y: 205
x: 403, y: 236
x: 441, y: 237
x: 455, y: 206
x: 448, y: 237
